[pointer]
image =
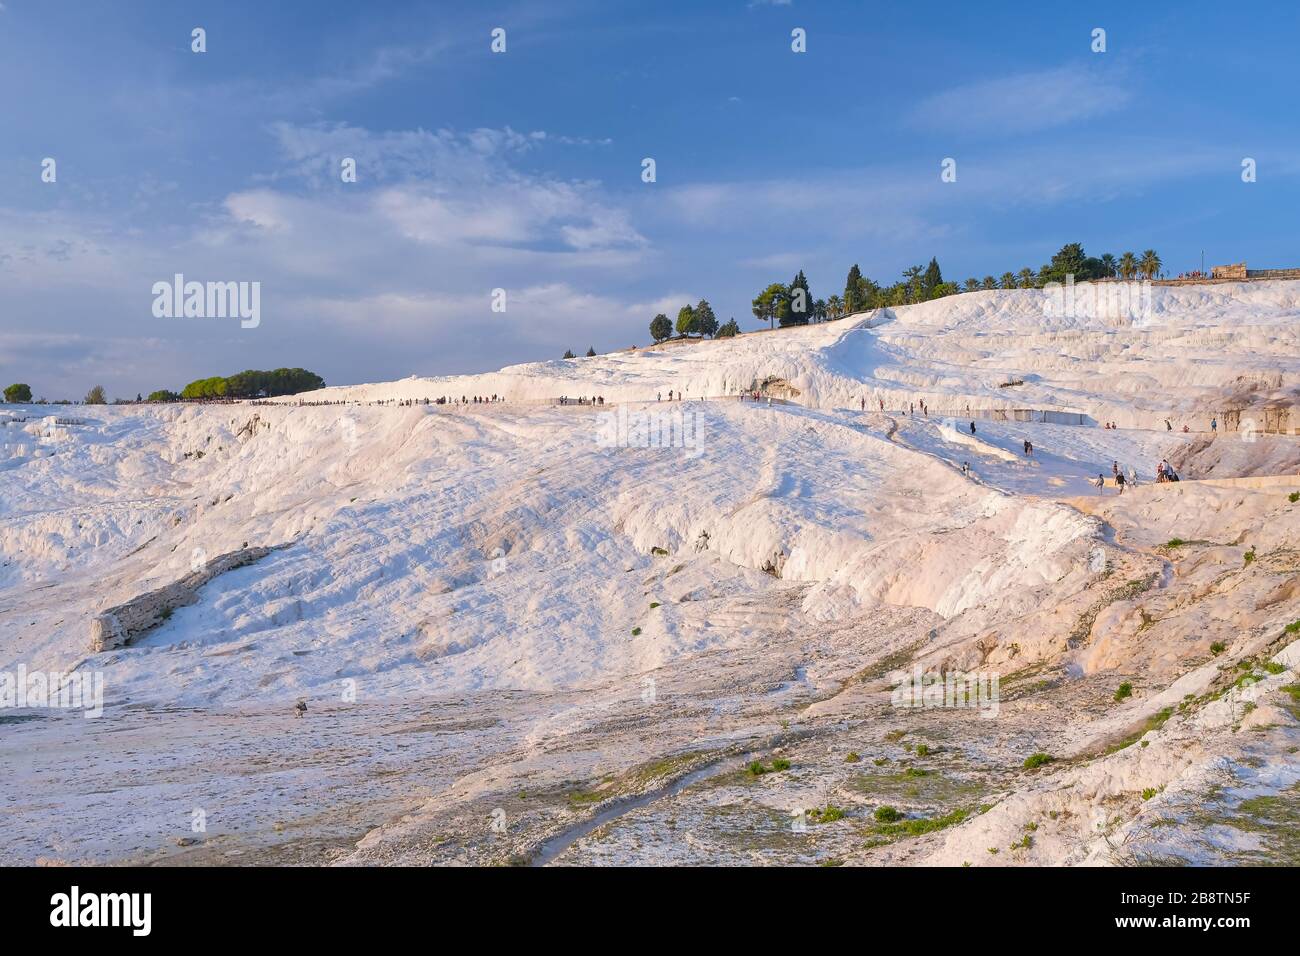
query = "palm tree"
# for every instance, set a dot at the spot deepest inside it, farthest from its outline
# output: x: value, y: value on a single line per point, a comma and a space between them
x: 1150, y: 265
x: 1108, y: 263
x: 1128, y: 265
x: 1008, y: 280
x: 819, y: 310
x: 972, y: 284
x: 835, y: 307
x: 990, y: 282
x: 1026, y: 278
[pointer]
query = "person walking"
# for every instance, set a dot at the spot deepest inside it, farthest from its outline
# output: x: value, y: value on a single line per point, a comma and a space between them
x: 972, y: 428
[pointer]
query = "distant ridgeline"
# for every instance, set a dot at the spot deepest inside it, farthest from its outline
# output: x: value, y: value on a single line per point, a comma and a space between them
x: 255, y: 384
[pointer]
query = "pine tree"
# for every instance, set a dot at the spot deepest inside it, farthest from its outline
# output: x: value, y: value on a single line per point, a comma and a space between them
x: 591, y: 352
x: 706, y: 323
x: 686, y: 321
x: 852, y: 291
x: 799, y: 302
x: 661, y: 328
x: 768, y: 304
x: 932, y: 278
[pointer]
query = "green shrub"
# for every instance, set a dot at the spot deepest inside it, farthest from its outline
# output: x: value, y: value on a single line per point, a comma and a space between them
x: 826, y: 814
x: 1125, y: 690
x: 18, y: 392
x: 887, y: 814
x: 1217, y: 648
x: 852, y: 757
x: 923, y: 750
x: 1293, y: 497
x: 636, y: 632
x: 1033, y: 761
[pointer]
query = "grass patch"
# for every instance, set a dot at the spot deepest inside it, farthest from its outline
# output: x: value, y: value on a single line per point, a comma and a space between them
x: 1034, y: 761
x: 924, y: 788
x: 921, y: 825
x: 852, y: 757
x: 888, y: 663
x: 1123, y: 692
x: 1217, y: 648
x: 757, y: 768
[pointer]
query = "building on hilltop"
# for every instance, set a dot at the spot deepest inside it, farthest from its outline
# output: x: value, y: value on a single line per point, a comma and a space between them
x: 1238, y: 270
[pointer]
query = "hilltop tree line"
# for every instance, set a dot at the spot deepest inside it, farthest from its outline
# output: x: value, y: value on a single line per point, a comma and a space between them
x: 792, y: 303
x: 692, y: 320
x: 922, y: 284
x: 250, y: 383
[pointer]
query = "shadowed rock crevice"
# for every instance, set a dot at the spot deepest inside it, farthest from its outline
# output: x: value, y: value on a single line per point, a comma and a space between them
x: 121, y: 625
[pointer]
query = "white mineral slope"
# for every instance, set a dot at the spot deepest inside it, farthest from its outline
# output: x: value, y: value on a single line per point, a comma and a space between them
x: 1193, y: 351
x: 504, y: 575
x: 433, y: 550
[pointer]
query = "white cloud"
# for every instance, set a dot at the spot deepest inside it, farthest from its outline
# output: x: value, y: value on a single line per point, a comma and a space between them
x: 1023, y: 102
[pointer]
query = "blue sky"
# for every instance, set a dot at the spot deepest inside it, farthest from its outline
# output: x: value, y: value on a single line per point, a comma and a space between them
x: 522, y: 170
